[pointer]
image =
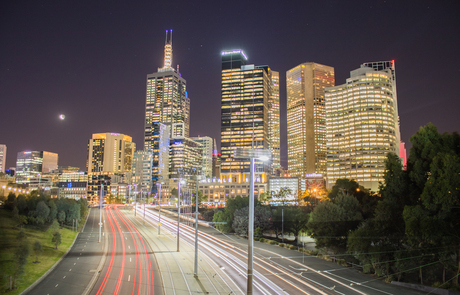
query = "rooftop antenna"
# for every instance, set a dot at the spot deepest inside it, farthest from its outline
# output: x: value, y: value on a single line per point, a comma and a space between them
x: 168, y: 51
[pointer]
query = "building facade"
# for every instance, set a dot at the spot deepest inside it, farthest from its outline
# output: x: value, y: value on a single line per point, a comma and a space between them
x: 244, y: 113
x: 2, y: 157
x: 219, y: 191
x: 274, y: 120
x: 167, y: 100
x: 34, y: 163
x: 142, y: 170
x: 206, y: 151
x: 306, y: 117
x: 362, y: 125
x: 73, y: 185
x: 185, y: 161
x: 110, y: 152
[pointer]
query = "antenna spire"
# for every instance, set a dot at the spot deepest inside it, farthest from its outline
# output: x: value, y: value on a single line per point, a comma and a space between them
x: 168, y: 51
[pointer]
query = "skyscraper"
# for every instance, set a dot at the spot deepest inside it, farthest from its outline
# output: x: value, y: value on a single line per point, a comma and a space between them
x: 2, y: 157
x: 274, y: 119
x: 206, y: 151
x: 110, y: 152
x: 167, y: 101
x: 362, y: 124
x: 33, y: 163
x: 306, y: 122
x: 244, y: 114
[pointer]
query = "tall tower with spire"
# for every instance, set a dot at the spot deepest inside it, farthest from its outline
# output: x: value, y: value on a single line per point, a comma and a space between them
x: 167, y: 113
x: 166, y: 101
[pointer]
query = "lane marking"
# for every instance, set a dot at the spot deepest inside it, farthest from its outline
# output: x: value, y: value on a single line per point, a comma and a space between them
x: 129, y: 277
x: 74, y: 263
x: 64, y: 277
x: 70, y: 269
x: 56, y: 285
x: 129, y: 259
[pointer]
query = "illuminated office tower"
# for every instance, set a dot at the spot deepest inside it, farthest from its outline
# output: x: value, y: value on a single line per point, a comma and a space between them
x: 110, y: 152
x: 167, y: 101
x: 185, y: 161
x: 2, y: 157
x: 362, y: 125
x: 244, y: 114
x: 33, y: 163
x: 274, y: 119
x: 306, y: 122
x: 142, y: 170
x: 206, y: 151
x: 160, y: 147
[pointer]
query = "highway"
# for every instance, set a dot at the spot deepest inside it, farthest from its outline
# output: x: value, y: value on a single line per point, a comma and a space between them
x: 277, y: 270
x: 130, y: 266
x: 134, y: 258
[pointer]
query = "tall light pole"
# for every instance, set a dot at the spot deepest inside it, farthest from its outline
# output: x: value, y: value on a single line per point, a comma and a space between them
x: 178, y: 214
x: 251, y: 154
x: 196, y: 230
x: 100, y: 212
x: 159, y: 207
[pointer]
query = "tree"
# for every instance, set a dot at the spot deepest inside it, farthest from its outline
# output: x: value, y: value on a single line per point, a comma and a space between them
x: 61, y: 217
x: 53, y: 210
x: 296, y: 221
x: 11, y: 201
x: 201, y: 198
x: 20, y: 259
x: 56, y: 240
x: 240, y: 223
x: 42, y: 211
x: 330, y: 222
x: 22, y: 204
x: 281, y: 194
x: 54, y: 226
x: 265, y: 197
x: 38, y: 249
x: 367, y: 201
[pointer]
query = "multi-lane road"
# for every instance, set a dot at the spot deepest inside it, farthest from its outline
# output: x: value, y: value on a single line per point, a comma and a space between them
x: 122, y: 263
x: 133, y: 258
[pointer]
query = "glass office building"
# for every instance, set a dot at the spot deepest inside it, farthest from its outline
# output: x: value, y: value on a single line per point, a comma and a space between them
x: 362, y: 125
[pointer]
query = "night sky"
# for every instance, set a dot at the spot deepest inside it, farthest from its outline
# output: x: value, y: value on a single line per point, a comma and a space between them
x: 89, y: 60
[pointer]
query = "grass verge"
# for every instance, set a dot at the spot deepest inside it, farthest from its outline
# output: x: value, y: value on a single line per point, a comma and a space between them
x: 33, y: 271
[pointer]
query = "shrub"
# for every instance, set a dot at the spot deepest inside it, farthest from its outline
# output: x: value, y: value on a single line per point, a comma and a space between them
x: 271, y: 242
x: 281, y: 245
x: 262, y: 240
x: 292, y: 247
x: 256, y: 238
x: 300, y: 249
x: 342, y: 262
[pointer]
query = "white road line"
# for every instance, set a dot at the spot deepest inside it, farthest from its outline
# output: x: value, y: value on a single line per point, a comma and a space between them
x: 56, y: 285
x: 129, y: 247
x: 129, y: 277
x: 74, y: 263
x: 64, y: 277
x: 129, y: 259
x: 70, y: 269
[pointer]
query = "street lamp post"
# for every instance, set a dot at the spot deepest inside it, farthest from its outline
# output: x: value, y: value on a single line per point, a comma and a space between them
x: 196, y: 230
x: 100, y: 212
x: 159, y: 207
x: 251, y: 154
x: 178, y: 214
x: 282, y: 224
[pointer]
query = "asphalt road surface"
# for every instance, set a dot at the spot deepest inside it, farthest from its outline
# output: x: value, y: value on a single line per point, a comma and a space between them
x: 121, y: 264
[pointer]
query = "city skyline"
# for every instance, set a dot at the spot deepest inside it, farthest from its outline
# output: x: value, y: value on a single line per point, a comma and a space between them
x: 96, y: 77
